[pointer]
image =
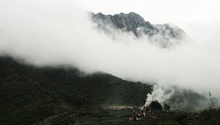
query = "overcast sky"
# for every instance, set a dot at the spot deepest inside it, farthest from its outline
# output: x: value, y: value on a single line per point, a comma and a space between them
x: 55, y: 32
x: 159, y: 11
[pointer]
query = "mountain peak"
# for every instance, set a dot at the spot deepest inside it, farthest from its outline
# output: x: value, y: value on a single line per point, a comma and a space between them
x: 132, y: 17
x: 164, y: 34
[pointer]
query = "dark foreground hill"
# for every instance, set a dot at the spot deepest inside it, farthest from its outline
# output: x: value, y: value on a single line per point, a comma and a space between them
x: 32, y: 95
x: 65, y: 96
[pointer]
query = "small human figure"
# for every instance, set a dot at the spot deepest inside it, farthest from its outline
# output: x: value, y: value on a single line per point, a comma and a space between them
x: 131, y: 118
x: 197, y: 116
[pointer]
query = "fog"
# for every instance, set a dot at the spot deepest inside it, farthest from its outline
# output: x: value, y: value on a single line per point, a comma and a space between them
x: 61, y: 33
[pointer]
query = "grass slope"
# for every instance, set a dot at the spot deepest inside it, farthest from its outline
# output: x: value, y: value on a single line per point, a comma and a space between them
x: 63, y: 96
x: 31, y: 95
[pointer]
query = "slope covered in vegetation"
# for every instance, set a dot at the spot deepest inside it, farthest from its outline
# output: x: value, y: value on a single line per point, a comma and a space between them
x: 62, y: 96
x: 31, y: 95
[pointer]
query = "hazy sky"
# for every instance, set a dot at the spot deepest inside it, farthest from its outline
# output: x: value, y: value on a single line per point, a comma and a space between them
x: 159, y: 11
x: 57, y: 32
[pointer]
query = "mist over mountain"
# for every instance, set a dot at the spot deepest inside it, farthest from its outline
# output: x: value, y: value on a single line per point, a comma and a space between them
x: 165, y: 35
x: 65, y: 95
x: 120, y: 44
x: 74, y: 62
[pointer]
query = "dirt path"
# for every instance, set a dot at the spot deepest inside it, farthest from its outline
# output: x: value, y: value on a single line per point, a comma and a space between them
x: 117, y: 107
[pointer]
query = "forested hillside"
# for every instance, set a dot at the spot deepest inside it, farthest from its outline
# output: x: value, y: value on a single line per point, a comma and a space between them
x: 36, y: 95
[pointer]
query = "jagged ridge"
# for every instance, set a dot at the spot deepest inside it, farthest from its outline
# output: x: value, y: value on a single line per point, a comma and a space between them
x: 164, y: 34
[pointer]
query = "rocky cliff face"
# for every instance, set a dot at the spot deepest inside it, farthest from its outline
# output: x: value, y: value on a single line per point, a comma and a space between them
x: 165, y: 34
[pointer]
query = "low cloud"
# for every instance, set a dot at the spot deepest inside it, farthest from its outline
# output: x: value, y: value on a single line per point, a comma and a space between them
x: 60, y: 33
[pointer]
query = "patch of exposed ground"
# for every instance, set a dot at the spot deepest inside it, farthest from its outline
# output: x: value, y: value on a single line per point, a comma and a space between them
x: 117, y: 107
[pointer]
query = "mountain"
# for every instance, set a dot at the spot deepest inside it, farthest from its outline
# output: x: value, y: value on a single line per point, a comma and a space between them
x: 62, y: 95
x: 165, y: 35
x: 55, y: 95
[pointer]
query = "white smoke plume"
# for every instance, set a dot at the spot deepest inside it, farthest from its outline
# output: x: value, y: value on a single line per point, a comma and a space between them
x: 61, y: 33
x: 179, y: 98
x: 161, y: 93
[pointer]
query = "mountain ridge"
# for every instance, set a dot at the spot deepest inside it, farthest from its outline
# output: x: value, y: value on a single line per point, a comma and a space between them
x: 64, y: 95
x: 164, y: 34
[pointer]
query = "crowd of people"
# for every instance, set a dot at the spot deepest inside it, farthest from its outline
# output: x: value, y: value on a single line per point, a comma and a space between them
x: 142, y: 113
x: 146, y: 113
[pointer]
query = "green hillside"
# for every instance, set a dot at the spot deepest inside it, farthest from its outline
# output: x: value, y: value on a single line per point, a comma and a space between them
x: 65, y: 96
x: 31, y: 95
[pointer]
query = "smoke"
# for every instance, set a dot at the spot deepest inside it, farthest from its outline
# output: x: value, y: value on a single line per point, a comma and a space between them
x: 178, y: 98
x: 160, y: 93
x: 61, y: 33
